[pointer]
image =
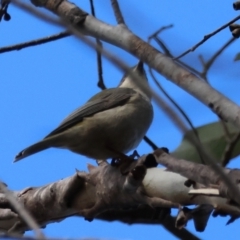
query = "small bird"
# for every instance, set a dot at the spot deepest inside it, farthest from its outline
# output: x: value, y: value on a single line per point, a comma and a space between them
x: 110, y: 124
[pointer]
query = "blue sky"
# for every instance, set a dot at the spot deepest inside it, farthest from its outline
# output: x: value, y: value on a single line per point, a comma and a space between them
x: 42, y: 85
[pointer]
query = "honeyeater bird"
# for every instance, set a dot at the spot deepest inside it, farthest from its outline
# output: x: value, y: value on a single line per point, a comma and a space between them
x: 111, y: 123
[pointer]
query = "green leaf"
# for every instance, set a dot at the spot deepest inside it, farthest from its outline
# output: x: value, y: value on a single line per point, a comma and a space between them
x: 213, y: 137
x: 237, y: 57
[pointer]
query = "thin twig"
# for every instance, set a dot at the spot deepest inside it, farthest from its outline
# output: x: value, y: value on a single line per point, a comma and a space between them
x: 35, y: 42
x: 3, y: 10
x: 169, y: 54
x: 117, y: 12
x: 173, y: 102
x: 163, y: 46
x: 153, y: 35
x: 209, y: 63
x: 206, y: 37
x: 150, y: 142
x: 166, y: 49
x: 19, y: 208
x: 100, y: 83
x: 229, y: 150
x: 178, y: 108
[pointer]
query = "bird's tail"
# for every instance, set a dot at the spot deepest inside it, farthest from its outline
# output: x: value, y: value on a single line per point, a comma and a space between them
x: 37, y: 147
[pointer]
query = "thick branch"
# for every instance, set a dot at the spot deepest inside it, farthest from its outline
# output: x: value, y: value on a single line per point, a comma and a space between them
x: 116, y: 193
x: 123, y: 38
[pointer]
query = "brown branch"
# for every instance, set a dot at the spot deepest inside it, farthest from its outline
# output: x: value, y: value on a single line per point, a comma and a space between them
x: 206, y: 37
x: 117, y: 12
x: 35, y: 42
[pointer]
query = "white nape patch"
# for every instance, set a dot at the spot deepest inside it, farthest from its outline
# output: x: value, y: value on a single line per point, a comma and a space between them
x: 129, y: 83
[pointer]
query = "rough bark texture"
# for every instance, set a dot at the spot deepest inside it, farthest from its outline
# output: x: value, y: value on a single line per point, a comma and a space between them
x: 131, y: 191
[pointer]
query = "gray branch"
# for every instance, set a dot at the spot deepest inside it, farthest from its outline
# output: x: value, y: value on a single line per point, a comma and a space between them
x: 123, y: 38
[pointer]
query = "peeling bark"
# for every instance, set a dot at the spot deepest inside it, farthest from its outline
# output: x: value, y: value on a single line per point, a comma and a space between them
x: 127, y: 191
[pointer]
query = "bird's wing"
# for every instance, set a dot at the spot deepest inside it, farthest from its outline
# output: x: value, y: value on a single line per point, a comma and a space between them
x: 104, y: 100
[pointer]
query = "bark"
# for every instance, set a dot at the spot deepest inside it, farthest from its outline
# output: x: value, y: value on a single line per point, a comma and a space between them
x: 132, y: 191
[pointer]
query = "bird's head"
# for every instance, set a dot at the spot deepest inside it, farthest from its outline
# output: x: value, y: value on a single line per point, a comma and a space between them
x: 136, y: 79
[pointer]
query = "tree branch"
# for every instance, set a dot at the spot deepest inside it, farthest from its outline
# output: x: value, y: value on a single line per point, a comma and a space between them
x: 123, y: 38
x: 140, y: 195
x: 117, y: 12
x: 100, y: 83
x: 206, y: 37
x: 21, y: 212
x: 35, y: 42
x: 209, y: 63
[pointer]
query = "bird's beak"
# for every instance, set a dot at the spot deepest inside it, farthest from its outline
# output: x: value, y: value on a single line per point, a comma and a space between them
x: 139, y: 67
